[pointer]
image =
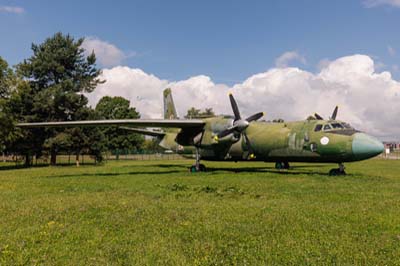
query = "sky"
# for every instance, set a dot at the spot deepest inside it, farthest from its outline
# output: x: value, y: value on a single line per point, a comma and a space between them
x: 287, y: 58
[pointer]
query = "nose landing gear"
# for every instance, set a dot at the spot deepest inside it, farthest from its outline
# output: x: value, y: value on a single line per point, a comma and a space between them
x: 282, y: 165
x: 338, y: 171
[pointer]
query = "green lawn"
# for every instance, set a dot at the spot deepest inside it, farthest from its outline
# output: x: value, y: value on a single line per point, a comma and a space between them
x: 156, y: 213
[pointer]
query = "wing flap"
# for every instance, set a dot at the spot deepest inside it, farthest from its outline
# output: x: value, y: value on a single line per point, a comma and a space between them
x: 143, y: 131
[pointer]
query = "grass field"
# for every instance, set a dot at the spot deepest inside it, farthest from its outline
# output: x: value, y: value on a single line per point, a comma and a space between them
x: 156, y: 213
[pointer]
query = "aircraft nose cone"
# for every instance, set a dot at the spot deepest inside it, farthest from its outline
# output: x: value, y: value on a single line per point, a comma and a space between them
x: 365, y: 146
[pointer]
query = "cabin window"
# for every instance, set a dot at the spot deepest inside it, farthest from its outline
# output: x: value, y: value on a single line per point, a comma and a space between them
x: 318, y: 128
x: 327, y: 127
x: 336, y: 126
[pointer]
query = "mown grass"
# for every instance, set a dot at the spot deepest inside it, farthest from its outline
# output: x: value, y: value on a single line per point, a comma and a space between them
x: 156, y: 213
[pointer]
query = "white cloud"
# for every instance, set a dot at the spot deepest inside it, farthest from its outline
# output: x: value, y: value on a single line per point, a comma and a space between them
x: 391, y: 50
x: 286, y: 58
x: 367, y: 98
x: 323, y: 63
x: 107, y: 54
x: 12, y: 9
x: 374, y: 3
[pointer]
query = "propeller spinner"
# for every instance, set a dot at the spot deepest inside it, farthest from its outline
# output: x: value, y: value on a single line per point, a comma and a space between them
x: 240, y: 125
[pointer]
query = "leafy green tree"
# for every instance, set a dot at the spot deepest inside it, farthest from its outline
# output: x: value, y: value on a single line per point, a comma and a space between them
x: 9, y: 83
x: 151, y: 145
x: 7, y: 79
x: 118, y: 108
x: 90, y: 140
x: 192, y: 113
x: 58, y: 73
x: 197, y: 113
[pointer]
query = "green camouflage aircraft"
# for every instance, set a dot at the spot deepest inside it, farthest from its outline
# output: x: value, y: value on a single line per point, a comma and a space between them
x: 233, y: 138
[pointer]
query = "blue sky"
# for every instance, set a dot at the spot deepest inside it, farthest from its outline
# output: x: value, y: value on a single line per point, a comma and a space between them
x: 226, y: 40
x: 287, y: 58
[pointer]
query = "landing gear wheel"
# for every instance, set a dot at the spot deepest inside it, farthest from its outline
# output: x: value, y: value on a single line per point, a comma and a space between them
x: 338, y: 171
x: 202, y: 168
x: 281, y: 165
x: 192, y: 169
x: 286, y: 165
x: 278, y: 165
x: 195, y: 169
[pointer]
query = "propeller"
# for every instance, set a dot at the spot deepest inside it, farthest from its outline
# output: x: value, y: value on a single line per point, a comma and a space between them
x: 240, y: 125
x: 333, y: 116
x: 318, y: 117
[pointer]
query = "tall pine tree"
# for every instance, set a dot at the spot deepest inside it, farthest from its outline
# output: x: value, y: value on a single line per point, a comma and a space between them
x: 58, y: 74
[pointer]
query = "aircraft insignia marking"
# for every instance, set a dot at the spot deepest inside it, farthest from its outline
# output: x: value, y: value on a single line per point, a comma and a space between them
x: 324, y: 140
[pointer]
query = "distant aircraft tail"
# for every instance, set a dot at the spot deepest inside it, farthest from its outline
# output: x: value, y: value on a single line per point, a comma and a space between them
x: 169, y: 107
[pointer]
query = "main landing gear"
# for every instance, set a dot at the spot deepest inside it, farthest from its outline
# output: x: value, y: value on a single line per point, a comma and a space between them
x: 282, y: 165
x: 197, y: 167
x: 338, y: 171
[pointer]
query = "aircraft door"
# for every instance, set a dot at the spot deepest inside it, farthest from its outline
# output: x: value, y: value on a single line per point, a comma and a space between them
x: 298, y: 139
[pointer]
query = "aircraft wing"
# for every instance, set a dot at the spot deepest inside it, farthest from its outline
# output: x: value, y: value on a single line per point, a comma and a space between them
x: 143, y: 131
x: 177, y: 123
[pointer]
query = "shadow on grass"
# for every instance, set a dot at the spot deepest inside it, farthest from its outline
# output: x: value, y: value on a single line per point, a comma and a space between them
x: 41, y: 165
x: 266, y: 170
x: 117, y: 174
x: 165, y: 169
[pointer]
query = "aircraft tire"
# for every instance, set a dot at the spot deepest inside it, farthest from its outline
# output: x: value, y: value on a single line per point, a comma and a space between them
x: 202, y: 168
x: 286, y: 165
x: 279, y: 165
x: 193, y: 168
x: 336, y: 172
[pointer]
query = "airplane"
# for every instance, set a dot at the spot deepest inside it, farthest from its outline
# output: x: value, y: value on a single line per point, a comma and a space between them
x: 234, y: 138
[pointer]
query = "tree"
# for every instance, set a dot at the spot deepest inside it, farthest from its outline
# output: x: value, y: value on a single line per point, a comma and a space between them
x: 192, y: 113
x: 7, y: 84
x: 58, y: 73
x: 118, y: 108
x: 197, y: 113
x: 7, y: 79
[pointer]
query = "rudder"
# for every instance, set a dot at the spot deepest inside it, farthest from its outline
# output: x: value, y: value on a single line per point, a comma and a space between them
x: 169, y: 106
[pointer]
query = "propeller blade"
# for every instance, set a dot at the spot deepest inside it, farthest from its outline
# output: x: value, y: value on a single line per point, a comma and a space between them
x: 249, y: 148
x: 235, y: 108
x: 334, y: 114
x: 225, y: 132
x: 317, y: 116
x: 255, y: 117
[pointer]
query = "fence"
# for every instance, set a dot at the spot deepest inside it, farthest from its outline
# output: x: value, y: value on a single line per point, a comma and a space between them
x: 394, y: 155
x: 65, y: 159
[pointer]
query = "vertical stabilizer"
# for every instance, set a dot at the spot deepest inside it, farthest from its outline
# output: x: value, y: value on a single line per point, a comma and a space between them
x: 169, y: 107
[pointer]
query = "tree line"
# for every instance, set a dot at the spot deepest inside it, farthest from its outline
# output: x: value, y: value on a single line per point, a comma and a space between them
x: 50, y: 86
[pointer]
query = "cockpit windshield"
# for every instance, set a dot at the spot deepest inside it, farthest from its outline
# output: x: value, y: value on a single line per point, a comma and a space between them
x: 347, y: 126
x: 333, y: 126
x: 336, y: 125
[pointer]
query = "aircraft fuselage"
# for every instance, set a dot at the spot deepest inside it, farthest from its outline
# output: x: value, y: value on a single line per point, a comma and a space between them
x: 303, y: 141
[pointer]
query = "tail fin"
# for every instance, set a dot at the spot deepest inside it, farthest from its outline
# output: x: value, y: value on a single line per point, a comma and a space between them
x: 169, y: 107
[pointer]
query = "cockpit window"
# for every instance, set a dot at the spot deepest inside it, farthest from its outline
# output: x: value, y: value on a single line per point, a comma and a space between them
x: 336, y: 126
x: 318, y: 128
x: 345, y: 125
x: 327, y: 127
